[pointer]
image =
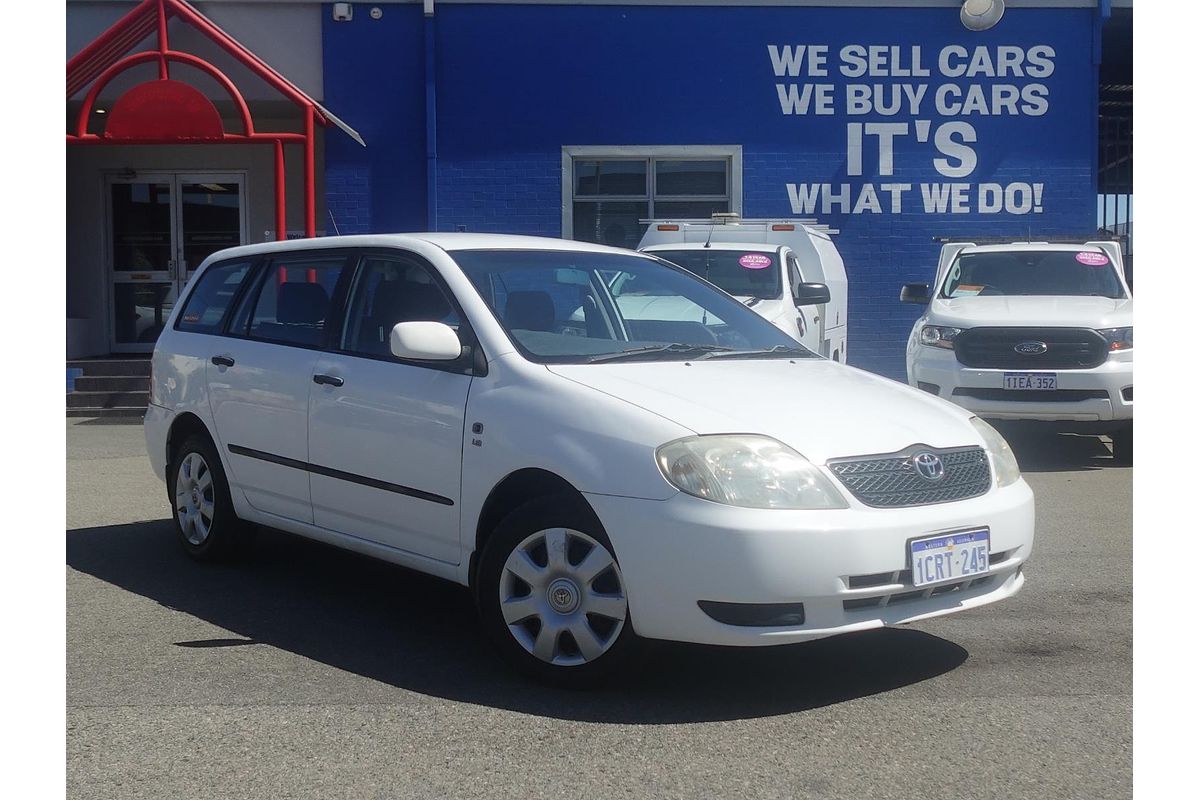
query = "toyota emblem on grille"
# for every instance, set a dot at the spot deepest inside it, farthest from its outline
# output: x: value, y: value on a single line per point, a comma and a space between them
x: 1030, y: 348
x: 929, y: 466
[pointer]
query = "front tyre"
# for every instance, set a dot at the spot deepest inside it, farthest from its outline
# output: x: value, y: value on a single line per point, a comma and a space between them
x: 204, y: 518
x: 551, y: 595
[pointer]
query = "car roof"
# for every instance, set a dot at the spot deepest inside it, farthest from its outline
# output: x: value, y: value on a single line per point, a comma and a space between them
x: 446, y: 241
x: 1041, y: 247
x: 757, y: 247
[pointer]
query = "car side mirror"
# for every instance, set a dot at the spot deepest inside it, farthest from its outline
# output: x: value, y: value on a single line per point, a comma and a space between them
x: 425, y: 341
x: 915, y: 293
x: 810, y: 294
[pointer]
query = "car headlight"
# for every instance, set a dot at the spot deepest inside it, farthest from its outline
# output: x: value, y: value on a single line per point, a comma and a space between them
x: 746, y: 470
x: 1003, y: 460
x: 939, y: 336
x: 1118, y: 338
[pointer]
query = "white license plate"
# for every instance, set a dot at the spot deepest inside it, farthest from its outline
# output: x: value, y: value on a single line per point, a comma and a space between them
x: 1032, y: 381
x: 953, y: 556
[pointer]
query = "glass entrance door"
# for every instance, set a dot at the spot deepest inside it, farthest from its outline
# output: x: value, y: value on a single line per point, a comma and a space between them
x: 161, y: 226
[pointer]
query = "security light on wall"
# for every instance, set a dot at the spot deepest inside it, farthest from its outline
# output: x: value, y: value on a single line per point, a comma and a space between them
x: 979, y: 15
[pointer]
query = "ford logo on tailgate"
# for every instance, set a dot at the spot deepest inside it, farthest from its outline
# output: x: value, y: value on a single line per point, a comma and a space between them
x: 1031, y: 348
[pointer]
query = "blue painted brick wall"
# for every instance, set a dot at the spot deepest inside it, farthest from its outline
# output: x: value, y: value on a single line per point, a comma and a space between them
x: 374, y: 79
x: 517, y: 83
x: 348, y: 197
x: 508, y: 193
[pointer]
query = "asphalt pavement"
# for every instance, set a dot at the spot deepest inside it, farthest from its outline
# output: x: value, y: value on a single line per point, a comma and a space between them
x: 307, y: 672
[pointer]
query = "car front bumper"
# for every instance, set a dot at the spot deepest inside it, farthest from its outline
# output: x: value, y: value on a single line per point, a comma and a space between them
x: 676, y: 553
x: 937, y: 371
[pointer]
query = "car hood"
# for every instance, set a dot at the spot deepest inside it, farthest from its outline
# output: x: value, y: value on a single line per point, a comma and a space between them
x: 819, y: 408
x: 1064, y: 312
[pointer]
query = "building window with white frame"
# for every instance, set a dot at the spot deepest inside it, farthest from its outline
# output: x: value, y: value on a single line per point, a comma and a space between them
x: 611, y: 191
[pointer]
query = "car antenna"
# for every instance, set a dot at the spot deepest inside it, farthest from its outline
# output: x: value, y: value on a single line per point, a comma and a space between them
x: 707, y: 259
x: 707, y: 265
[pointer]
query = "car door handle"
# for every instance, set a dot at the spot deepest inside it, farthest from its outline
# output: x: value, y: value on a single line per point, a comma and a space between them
x: 222, y: 361
x: 328, y: 380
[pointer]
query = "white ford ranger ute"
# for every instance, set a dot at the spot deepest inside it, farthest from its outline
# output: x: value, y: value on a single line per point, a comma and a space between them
x: 1030, y: 331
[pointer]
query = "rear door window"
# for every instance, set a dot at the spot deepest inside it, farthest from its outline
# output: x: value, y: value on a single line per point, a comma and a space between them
x: 296, y: 299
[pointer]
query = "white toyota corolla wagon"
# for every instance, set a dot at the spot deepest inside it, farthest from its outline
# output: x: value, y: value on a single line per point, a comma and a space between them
x: 476, y: 407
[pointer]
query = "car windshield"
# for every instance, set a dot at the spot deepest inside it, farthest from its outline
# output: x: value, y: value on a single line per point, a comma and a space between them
x: 1033, y: 272
x: 557, y: 308
x: 744, y: 273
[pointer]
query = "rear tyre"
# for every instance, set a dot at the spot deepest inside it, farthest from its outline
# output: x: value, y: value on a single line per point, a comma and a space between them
x: 205, y: 522
x: 1122, y: 445
x: 551, y: 596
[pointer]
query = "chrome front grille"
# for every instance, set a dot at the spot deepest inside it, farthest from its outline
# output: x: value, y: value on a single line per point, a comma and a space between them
x: 893, y: 481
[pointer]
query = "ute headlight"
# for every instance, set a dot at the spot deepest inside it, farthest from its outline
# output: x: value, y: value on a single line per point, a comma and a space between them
x: 939, y: 336
x: 746, y: 470
x: 1118, y: 338
x: 1003, y: 461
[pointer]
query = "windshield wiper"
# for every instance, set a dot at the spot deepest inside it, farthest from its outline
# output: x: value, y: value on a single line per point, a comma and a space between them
x: 674, y: 347
x: 777, y: 350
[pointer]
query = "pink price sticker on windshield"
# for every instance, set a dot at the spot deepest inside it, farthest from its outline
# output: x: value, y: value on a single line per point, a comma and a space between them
x: 1091, y: 259
x: 755, y: 261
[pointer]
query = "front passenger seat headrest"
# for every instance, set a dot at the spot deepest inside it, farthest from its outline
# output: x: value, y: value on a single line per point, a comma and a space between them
x: 530, y: 311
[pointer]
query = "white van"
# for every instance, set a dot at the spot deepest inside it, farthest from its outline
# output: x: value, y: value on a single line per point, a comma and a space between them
x: 746, y: 257
x: 428, y: 399
x: 1030, y: 331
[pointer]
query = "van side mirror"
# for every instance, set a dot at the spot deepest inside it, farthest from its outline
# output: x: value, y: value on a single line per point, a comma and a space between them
x: 425, y: 341
x: 915, y: 293
x: 810, y: 294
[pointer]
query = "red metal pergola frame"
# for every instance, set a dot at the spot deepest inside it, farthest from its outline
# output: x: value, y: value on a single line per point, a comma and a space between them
x: 170, y: 112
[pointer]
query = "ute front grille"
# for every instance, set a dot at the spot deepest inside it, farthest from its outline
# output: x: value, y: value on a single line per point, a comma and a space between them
x: 996, y: 348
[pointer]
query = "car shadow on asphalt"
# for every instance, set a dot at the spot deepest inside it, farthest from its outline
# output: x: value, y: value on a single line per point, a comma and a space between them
x: 420, y: 633
x: 1039, y: 450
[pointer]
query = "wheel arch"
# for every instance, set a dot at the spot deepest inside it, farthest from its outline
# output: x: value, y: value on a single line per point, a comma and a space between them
x: 183, y: 426
x: 513, y: 491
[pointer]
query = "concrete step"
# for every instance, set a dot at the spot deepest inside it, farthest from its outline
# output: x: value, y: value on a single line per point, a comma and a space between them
x: 132, y: 415
x: 107, y: 383
x: 96, y: 400
x: 111, y: 367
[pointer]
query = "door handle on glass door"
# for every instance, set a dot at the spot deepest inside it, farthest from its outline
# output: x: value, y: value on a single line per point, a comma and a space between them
x: 222, y: 361
x: 328, y: 380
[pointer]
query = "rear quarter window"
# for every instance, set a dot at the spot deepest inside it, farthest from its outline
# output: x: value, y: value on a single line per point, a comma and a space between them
x: 209, y: 302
